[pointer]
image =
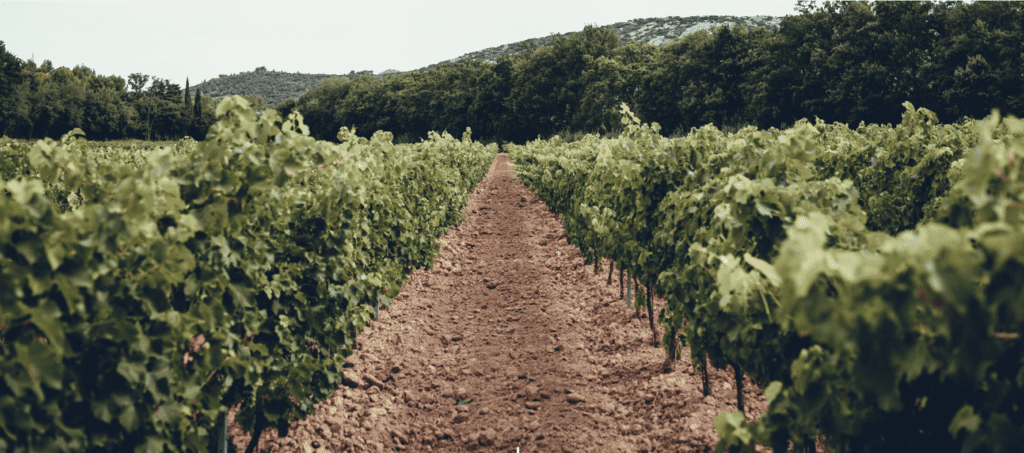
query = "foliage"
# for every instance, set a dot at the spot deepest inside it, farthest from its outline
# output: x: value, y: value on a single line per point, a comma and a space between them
x: 806, y: 259
x: 194, y: 274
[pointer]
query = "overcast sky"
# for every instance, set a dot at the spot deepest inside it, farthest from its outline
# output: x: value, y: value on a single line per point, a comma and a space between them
x: 200, y: 40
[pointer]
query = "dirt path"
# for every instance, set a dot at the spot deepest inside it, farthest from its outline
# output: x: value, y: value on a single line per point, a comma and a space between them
x: 512, y: 319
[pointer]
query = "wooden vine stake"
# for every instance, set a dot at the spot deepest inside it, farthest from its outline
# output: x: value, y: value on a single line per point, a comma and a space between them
x: 650, y: 316
x: 739, y: 388
x: 704, y: 373
x: 621, y: 293
x: 258, y: 430
x: 629, y: 291
x: 809, y: 445
x: 639, y: 297
x: 672, y: 344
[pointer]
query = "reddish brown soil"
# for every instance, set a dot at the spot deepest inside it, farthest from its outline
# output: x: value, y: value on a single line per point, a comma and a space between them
x: 511, y: 318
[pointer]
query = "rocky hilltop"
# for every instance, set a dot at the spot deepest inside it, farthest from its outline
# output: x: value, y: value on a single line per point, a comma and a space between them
x: 657, y: 31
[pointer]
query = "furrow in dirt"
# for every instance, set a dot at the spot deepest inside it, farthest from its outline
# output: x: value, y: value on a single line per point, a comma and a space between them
x: 546, y: 352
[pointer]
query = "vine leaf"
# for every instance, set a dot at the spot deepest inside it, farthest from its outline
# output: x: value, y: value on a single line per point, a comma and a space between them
x: 764, y: 267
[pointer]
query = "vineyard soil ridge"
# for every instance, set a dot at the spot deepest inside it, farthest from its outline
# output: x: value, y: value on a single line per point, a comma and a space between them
x: 541, y: 352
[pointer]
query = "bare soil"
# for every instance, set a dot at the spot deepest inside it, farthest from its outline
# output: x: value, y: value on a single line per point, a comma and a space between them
x: 546, y: 351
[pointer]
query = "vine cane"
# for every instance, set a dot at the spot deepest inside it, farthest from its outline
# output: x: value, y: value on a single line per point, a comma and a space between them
x: 639, y: 297
x: 621, y: 293
x: 650, y: 317
x: 739, y: 388
x: 260, y: 424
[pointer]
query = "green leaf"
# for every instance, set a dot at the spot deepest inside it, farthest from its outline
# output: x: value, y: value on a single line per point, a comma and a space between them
x: 103, y: 409
x: 46, y: 317
x: 129, y: 418
x: 191, y: 391
x: 40, y: 364
x: 965, y: 418
x: 765, y: 268
x: 772, y: 391
x: 732, y: 424
x: 188, y: 225
x: 764, y: 210
x: 133, y: 372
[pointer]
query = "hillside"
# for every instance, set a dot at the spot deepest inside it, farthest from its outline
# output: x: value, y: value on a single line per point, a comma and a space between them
x: 277, y: 86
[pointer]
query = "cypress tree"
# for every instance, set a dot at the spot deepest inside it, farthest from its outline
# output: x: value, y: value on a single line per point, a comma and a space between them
x: 197, y: 115
x: 197, y: 109
x: 188, y: 109
x: 188, y: 99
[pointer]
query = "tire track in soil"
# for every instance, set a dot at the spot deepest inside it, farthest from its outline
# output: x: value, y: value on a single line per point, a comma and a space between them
x: 511, y: 318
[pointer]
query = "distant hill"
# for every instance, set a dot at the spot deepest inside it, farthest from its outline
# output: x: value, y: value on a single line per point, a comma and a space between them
x: 277, y: 86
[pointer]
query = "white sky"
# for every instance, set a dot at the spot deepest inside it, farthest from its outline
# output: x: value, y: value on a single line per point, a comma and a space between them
x: 200, y: 40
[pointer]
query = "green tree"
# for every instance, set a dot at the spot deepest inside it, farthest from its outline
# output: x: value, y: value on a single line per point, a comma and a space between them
x: 144, y: 104
x: 189, y: 111
x: 21, y: 120
x: 164, y: 89
x: 83, y: 73
x: 173, y: 92
x: 548, y: 84
x: 197, y: 115
x: 102, y: 113
x: 776, y: 90
x: 39, y: 103
x: 865, y: 78
x: 149, y: 107
x: 496, y: 101
x: 533, y: 97
x: 444, y: 99
x: 978, y: 59
x: 636, y: 57
x: 322, y: 106
x: 69, y: 96
x: 127, y: 120
x: 360, y: 107
x: 903, y: 38
x: 452, y: 93
x: 476, y: 76
x: 609, y: 81
x: 675, y: 69
x: 114, y: 83
x: 714, y: 73
x: 11, y: 76
x: 605, y: 85
x: 46, y: 67
x: 170, y: 119
x: 206, y: 107
x: 768, y: 87
x: 136, y: 82
x: 489, y: 105
x: 162, y: 110
x: 197, y: 104
x: 408, y: 117
x: 286, y: 107
x: 30, y: 67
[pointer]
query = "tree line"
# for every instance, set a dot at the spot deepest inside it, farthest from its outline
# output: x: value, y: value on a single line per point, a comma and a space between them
x: 849, y: 62
x: 845, y: 62
x: 42, y: 101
